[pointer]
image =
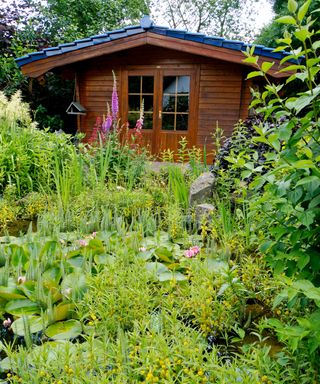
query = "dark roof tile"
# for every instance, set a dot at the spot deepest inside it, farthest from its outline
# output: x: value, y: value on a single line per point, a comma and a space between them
x: 147, y: 25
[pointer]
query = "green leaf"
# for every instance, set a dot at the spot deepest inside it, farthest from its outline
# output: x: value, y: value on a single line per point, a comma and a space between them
x: 34, y: 323
x: 64, y: 330
x: 9, y: 293
x: 22, y: 307
x: 303, y: 260
x: 169, y: 276
x: 315, y: 202
x: 164, y: 254
x: 309, y: 179
x: 307, y: 217
x: 302, y: 34
x: 266, y: 65
x: 286, y: 20
x: 293, y: 67
x: 304, y: 164
x: 254, y: 74
x: 295, y: 195
x: 292, y: 6
x: 62, y: 311
x: 156, y: 267
x: 303, y: 10
x: 251, y: 60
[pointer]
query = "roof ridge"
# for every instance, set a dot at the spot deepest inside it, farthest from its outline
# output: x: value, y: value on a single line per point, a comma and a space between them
x: 146, y: 24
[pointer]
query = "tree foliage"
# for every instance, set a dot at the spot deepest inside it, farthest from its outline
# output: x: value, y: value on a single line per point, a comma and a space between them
x: 274, y: 31
x: 216, y: 17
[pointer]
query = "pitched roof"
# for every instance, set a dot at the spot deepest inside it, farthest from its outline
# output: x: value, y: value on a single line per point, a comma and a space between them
x: 146, y: 25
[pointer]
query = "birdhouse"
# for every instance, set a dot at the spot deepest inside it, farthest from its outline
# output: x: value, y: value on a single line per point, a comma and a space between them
x: 76, y: 108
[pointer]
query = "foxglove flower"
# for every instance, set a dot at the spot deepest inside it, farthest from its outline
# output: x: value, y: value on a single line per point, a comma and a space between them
x: 107, y: 123
x: 114, y: 100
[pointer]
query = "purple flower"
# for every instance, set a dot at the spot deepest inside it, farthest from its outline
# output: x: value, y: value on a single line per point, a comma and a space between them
x: 106, y: 125
x: 115, y: 100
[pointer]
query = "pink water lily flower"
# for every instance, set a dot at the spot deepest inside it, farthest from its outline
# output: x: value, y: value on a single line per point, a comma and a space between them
x: 83, y: 242
x: 192, y: 251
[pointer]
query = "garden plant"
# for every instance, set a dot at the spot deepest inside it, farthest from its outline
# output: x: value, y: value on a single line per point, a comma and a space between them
x: 116, y: 279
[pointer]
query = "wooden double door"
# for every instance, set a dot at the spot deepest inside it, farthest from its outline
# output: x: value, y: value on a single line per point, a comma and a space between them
x: 168, y: 97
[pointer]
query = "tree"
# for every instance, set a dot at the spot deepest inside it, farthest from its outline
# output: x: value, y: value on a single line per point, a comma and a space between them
x: 29, y: 25
x: 227, y: 18
x: 274, y: 31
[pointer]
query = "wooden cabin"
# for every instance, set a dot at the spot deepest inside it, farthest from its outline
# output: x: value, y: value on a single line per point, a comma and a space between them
x: 189, y: 82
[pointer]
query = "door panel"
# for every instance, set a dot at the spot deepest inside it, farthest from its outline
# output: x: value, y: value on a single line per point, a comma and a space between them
x: 169, y: 105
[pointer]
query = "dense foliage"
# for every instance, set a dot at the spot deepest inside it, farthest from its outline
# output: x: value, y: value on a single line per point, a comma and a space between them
x: 119, y: 279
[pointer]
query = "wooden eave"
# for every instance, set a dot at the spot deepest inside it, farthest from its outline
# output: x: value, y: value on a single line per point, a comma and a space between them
x: 39, y: 67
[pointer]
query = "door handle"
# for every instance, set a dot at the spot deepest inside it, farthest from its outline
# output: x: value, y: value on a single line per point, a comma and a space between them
x: 160, y: 115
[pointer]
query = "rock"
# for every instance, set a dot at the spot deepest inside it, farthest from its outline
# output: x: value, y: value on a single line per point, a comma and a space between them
x: 203, y: 211
x: 201, y: 188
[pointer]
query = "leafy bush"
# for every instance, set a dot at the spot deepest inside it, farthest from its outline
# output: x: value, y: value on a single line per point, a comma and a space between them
x: 239, y: 157
x: 289, y: 206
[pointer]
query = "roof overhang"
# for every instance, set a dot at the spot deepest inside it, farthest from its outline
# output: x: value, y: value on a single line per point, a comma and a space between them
x: 46, y: 62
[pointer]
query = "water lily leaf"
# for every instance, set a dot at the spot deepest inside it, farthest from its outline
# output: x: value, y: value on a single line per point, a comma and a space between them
x: 147, y: 255
x: 156, y: 267
x: 96, y: 246
x: 33, y: 323
x: 52, y: 274
x: 10, y: 293
x: 62, y: 311
x: 217, y: 266
x: 22, y: 307
x: 6, y: 364
x: 76, y: 261
x: 52, y: 288
x: 28, y: 288
x: 164, y: 254
x: 64, y: 330
x: 168, y: 276
x: 77, y: 282
x: 104, y: 259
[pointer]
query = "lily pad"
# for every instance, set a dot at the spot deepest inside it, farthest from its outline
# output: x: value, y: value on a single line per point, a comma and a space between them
x: 9, y: 293
x: 64, y: 330
x: 168, y: 276
x: 62, y: 311
x: 164, y: 254
x: 104, y: 259
x: 33, y: 323
x: 22, y: 307
x: 156, y: 267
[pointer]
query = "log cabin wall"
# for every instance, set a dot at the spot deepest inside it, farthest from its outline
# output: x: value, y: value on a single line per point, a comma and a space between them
x: 222, y: 95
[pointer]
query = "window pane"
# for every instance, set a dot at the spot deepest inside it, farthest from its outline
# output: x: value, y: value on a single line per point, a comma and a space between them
x: 134, y: 103
x: 132, y: 119
x: 134, y: 84
x: 147, y: 84
x: 182, y: 122
x: 148, y: 103
x: 168, y: 103
x: 148, y: 121
x: 182, y: 104
x: 168, y: 122
x: 169, y: 84
x: 183, y: 84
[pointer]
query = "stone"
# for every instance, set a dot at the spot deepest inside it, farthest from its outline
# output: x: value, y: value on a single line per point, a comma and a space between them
x: 203, y: 211
x: 201, y: 189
